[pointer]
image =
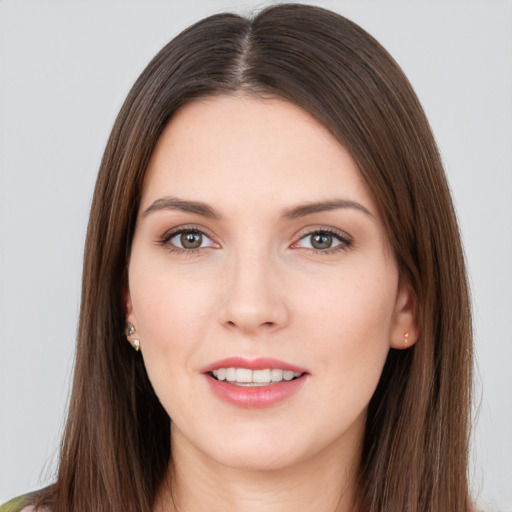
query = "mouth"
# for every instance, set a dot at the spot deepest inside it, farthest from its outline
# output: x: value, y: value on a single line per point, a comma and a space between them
x: 254, y: 383
x: 254, y: 378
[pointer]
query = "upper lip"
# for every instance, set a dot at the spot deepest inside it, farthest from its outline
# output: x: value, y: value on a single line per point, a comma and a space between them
x: 259, y: 363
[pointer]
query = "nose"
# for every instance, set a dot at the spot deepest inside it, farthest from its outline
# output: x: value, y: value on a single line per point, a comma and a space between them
x: 254, y: 295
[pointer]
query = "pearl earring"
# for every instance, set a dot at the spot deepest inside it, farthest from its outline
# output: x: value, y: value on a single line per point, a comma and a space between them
x: 129, y: 330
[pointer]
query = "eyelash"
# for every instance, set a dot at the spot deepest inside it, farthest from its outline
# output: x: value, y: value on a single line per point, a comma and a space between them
x: 165, y: 240
x: 345, y: 242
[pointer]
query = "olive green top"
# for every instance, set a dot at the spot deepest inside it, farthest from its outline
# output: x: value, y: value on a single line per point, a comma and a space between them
x: 17, y: 504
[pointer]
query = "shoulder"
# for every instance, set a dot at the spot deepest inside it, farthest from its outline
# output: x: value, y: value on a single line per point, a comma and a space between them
x: 21, y: 504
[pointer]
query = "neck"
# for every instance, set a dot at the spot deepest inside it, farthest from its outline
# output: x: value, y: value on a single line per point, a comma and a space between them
x: 325, y: 482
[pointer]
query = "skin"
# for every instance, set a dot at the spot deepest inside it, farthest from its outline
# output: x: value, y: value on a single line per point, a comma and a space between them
x: 259, y: 287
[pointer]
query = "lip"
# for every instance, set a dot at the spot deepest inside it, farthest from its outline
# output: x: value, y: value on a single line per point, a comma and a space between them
x: 259, y: 396
x: 260, y: 363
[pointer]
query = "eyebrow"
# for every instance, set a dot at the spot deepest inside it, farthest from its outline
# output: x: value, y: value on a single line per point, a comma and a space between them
x: 205, y: 210
x: 175, y: 203
x: 323, y: 206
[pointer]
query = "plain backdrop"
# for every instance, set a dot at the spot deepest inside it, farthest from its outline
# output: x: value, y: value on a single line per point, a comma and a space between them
x: 65, y: 68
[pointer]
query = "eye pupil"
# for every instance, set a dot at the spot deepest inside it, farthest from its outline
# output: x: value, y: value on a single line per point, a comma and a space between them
x: 321, y: 241
x: 191, y: 240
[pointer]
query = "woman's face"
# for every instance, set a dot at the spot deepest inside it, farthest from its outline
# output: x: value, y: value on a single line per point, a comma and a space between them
x: 259, y: 257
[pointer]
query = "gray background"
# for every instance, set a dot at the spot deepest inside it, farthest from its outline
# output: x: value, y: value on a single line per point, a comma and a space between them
x: 65, y: 68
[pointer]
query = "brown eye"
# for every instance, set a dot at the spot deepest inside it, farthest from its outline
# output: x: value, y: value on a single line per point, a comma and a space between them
x: 187, y: 240
x: 324, y: 241
x: 321, y: 241
x: 191, y: 239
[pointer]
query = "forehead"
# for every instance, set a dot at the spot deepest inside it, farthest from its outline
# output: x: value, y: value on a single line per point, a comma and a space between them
x: 250, y: 148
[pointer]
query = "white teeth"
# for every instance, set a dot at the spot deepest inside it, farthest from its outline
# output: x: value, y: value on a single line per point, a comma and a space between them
x: 276, y: 375
x: 245, y: 376
x: 261, y: 376
x: 288, y: 375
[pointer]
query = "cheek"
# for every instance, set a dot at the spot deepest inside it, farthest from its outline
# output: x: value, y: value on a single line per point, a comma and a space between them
x: 349, y: 325
x: 172, y: 313
x: 354, y: 304
x: 166, y: 300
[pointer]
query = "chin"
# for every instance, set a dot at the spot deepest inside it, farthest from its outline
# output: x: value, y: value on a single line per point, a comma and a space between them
x: 253, y: 449
x: 257, y: 459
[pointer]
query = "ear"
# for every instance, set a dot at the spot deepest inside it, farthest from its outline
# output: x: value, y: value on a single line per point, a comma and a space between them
x: 128, y: 308
x: 405, y: 329
x: 130, y: 328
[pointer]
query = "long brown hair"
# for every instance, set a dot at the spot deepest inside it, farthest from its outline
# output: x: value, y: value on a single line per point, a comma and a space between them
x: 116, y: 448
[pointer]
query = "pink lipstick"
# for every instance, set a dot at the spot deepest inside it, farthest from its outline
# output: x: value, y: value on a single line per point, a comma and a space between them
x: 254, y: 383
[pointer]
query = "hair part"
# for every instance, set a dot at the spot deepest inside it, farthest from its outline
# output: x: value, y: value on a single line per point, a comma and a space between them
x: 116, y: 448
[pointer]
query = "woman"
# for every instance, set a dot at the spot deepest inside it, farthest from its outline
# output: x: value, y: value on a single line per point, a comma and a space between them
x: 273, y: 234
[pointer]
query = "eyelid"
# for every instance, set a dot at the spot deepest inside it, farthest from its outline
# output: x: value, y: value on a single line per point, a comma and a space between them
x: 344, y: 239
x: 171, y: 233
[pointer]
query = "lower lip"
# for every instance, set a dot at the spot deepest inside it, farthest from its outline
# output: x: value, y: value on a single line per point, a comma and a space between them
x: 255, y: 397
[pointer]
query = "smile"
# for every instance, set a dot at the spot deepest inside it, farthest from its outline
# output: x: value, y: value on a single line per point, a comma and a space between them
x: 248, y: 377
x: 254, y: 383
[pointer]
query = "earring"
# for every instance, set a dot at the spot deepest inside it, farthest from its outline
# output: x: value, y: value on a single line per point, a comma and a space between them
x: 129, y: 329
x: 406, y: 338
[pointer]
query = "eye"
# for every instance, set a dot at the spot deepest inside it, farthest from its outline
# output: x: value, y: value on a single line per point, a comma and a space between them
x: 186, y: 240
x: 324, y: 240
x: 189, y: 240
